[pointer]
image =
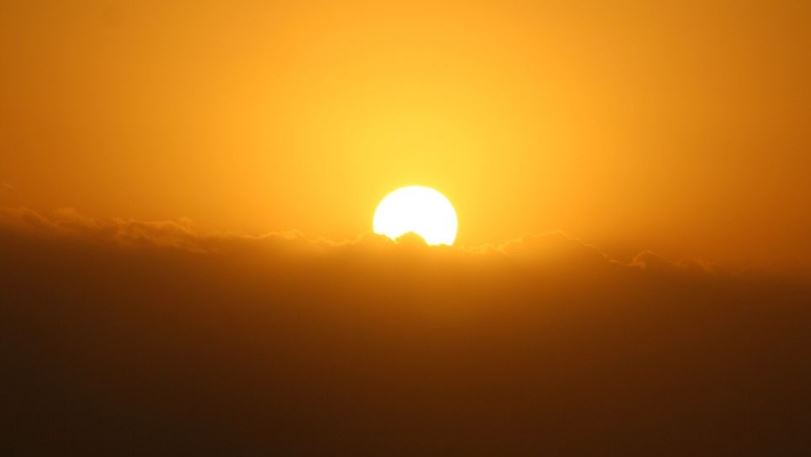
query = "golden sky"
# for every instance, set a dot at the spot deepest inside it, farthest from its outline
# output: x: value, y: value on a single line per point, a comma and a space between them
x: 680, y: 127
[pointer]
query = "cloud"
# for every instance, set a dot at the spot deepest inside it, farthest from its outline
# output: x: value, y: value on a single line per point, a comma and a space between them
x: 165, y: 339
x: 555, y: 249
x: 647, y: 260
x: 69, y: 223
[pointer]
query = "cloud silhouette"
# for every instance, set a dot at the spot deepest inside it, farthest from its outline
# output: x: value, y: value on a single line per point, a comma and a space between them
x: 156, y: 338
x: 555, y: 249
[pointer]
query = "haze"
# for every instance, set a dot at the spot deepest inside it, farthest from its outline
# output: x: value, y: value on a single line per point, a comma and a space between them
x: 187, y: 257
x: 679, y: 127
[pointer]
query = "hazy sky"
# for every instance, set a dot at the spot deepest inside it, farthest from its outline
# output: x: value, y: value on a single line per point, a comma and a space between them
x: 187, y: 187
x: 680, y: 127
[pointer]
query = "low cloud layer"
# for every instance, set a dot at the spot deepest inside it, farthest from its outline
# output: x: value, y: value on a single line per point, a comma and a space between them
x: 157, y: 338
x: 70, y: 225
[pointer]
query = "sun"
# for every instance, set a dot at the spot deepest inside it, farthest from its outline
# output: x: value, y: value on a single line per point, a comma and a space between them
x: 417, y: 209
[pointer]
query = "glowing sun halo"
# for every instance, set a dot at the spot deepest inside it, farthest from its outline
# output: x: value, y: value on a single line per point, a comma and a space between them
x: 416, y: 209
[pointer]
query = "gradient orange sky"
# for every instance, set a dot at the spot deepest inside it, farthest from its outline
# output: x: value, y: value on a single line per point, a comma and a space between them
x: 680, y: 127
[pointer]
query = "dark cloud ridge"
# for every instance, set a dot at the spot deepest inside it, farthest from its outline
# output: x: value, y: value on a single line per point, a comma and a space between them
x: 70, y: 225
x: 156, y: 338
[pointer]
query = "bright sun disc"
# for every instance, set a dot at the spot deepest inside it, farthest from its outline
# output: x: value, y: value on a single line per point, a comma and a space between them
x: 416, y: 209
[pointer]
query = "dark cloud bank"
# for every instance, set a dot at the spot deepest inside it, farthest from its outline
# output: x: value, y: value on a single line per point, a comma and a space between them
x: 134, y: 338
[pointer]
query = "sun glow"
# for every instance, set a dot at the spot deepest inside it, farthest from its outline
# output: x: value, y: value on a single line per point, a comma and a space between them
x: 418, y: 209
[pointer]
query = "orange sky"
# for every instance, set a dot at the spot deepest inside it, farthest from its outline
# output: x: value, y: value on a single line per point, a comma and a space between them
x: 680, y: 127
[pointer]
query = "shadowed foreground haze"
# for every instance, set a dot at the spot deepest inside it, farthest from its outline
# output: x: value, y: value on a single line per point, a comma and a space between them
x: 132, y: 338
